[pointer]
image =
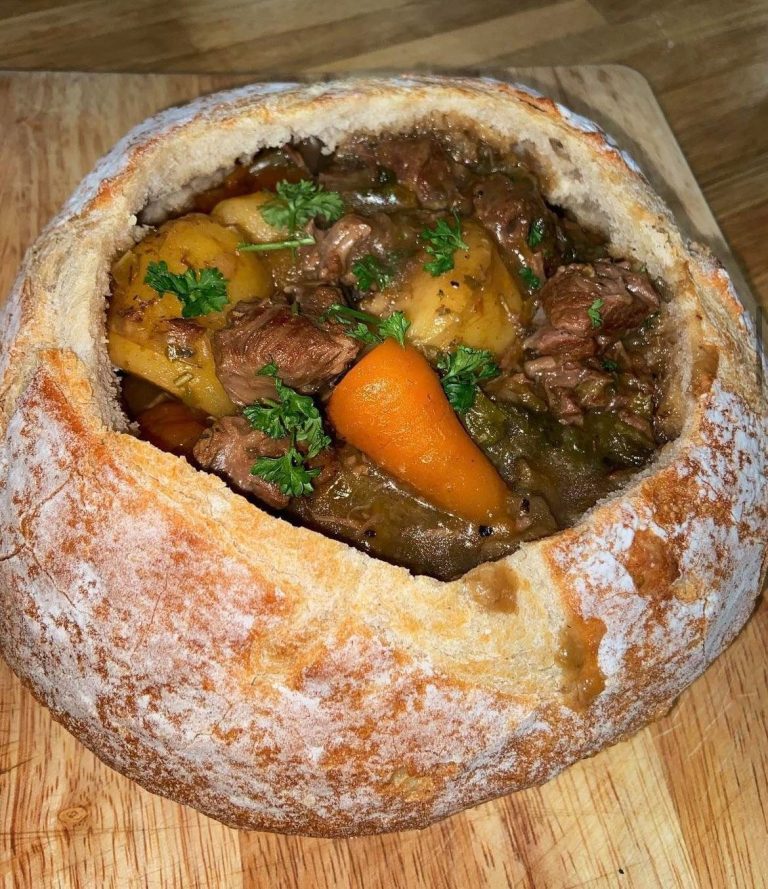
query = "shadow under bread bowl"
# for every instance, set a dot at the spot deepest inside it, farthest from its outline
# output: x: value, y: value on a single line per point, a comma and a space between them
x: 279, y: 679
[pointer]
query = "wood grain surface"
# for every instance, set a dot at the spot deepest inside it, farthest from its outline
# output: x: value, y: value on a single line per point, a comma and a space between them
x: 706, y: 60
x: 682, y: 804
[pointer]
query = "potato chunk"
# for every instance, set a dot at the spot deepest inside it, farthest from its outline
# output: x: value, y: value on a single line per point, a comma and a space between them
x: 476, y: 303
x: 244, y: 212
x: 147, y: 335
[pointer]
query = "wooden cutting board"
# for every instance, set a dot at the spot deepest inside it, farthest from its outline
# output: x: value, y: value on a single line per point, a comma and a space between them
x: 682, y: 804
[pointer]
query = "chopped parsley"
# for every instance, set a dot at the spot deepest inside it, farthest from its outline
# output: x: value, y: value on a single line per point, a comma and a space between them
x: 442, y: 242
x: 536, y: 234
x: 530, y: 279
x: 288, y: 472
x: 370, y: 271
x: 610, y: 365
x: 369, y: 328
x: 298, y: 202
x: 462, y: 371
x: 199, y: 292
x: 294, y: 416
x: 593, y: 312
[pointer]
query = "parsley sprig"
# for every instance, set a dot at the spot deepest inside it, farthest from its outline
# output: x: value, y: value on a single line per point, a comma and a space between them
x: 442, y: 242
x: 530, y: 278
x: 298, y: 202
x: 292, y: 414
x: 463, y: 370
x: 288, y: 472
x: 536, y: 233
x: 199, y: 292
x: 369, y: 271
x: 295, y: 416
x: 593, y: 312
x: 293, y: 207
x: 369, y: 328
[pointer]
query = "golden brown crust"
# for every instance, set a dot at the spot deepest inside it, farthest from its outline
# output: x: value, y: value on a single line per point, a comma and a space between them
x: 280, y: 680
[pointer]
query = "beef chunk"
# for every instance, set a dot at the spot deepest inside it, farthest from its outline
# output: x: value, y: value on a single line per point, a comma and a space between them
x: 553, y: 341
x: 307, y: 355
x: 231, y: 447
x: 349, y: 176
x: 570, y: 387
x: 628, y: 298
x: 619, y: 298
x: 315, y: 300
x: 423, y: 165
x: 509, y: 208
x: 336, y: 248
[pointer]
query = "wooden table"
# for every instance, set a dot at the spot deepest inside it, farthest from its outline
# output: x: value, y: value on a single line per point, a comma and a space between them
x: 683, y: 804
x: 706, y: 60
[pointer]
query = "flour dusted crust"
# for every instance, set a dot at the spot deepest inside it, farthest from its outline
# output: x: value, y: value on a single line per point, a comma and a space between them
x: 277, y: 679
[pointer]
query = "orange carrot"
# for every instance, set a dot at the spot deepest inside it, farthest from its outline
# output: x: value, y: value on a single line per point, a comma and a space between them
x: 391, y: 406
x: 172, y: 426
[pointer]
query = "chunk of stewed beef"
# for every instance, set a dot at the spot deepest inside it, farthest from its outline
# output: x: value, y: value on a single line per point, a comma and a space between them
x: 606, y: 298
x: 420, y: 164
x: 231, y: 447
x: 549, y: 340
x: 330, y: 258
x: 514, y: 212
x: 315, y: 300
x: 307, y: 355
x: 570, y: 387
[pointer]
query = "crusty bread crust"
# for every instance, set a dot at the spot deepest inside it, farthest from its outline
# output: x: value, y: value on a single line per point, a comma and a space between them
x: 277, y: 679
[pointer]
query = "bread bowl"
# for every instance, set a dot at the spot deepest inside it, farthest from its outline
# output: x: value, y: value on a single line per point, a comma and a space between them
x: 346, y: 625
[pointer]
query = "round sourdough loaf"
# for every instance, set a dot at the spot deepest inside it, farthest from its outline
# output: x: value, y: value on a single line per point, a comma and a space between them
x: 277, y: 679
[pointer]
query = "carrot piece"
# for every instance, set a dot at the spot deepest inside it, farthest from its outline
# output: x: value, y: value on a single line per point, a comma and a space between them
x: 172, y: 426
x: 391, y: 406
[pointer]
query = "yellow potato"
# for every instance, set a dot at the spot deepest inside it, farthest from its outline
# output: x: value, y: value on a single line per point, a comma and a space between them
x: 245, y: 213
x: 193, y: 381
x: 193, y: 241
x: 140, y: 337
x: 476, y: 303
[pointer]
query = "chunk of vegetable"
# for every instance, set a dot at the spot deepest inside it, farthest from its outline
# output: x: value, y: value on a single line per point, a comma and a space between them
x: 172, y: 426
x: 476, y: 303
x: 140, y: 321
x: 245, y: 213
x: 191, y: 378
x: 391, y: 406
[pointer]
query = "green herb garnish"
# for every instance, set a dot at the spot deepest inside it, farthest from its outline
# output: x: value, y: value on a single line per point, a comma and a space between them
x: 298, y: 202
x: 462, y: 371
x: 291, y: 415
x: 536, y: 234
x: 530, y: 279
x: 370, y: 271
x: 199, y: 292
x: 442, y: 242
x: 369, y: 328
x: 297, y: 417
x: 290, y: 243
x: 593, y: 312
x: 610, y: 365
x: 288, y: 472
